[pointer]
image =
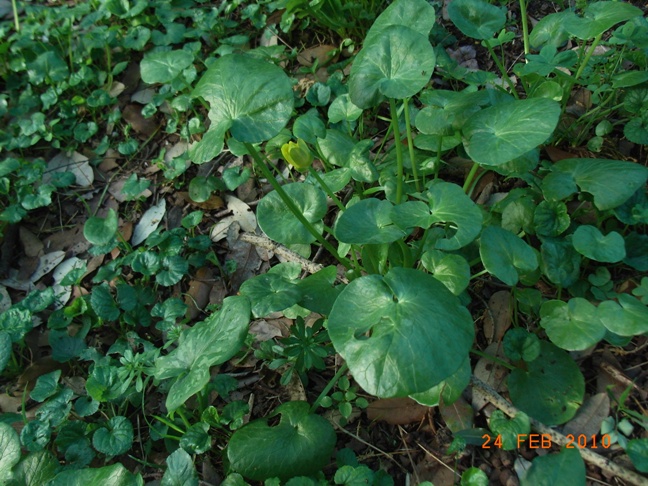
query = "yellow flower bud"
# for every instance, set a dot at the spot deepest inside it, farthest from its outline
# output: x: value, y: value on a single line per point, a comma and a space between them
x: 297, y: 155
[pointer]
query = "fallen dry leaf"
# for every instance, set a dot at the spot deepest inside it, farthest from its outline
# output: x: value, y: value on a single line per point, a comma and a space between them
x: 589, y: 417
x: 458, y: 415
x: 497, y: 318
x: 397, y: 411
x: 144, y: 127
x: 491, y: 373
x: 197, y: 297
x: 32, y: 246
x: 323, y: 54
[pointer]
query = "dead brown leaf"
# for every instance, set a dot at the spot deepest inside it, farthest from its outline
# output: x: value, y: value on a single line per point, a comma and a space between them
x: 458, y: 415
x: 197, y: 297
x: 590, y: 416
x: 323, y: 54
x: 144, y: 127
x: 497, y: 318
x: 491, y: 373
x: 397, y: 411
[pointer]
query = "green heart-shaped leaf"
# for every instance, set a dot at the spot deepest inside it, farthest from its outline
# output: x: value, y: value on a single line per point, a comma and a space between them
x: 449, y: 204
x: 476, y: 18
x: 501, y: 133
x: 448, y: 391
x: 627, y: 318
x: 611, y: 182
x: 101, y: 231
x: 383, y: 325
x: 418, y: 15
x: 573, y: 325
x: 163, y: 67
x: 599, y: 17
x: 115, y: 475
x: 208, y: 343
x: 566, y: 467
x: 451, y: 270
x: 505, y: 255
x: 9, y: 450
x: 368, y: 221
x: 552, y: 370
x: 115, y: 437
x: 559, y: 261
x: 280, y: 224
x: 250, y: 96
x: 270, y: 293
x: 510, y: 430
x: 301, y: 444
x: 396, y: 64
x: 590, y: 242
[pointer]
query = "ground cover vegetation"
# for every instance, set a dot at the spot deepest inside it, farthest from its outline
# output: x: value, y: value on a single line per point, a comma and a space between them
x: 323, y: 242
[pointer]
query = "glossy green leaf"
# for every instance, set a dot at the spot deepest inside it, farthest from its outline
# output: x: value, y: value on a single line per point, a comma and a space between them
x: 196, y: 439
x: 553, y: 370
x: 455, y: 212
x: 249, y: 96
x: 36, y: 435
x: 476, y: 18
x: 510, y: 429
x: 173, y: 269
x: 449, y: 390
x: 103, y: 303
x: 270, y: 293
x: 628, y: 317
x: 611, y: 182
x: 637, y: 450
x: 208, y: 343
x: 505, y: 255
x: 280, y: 224
x: 382, y: 324
x: 453, y: 271
x: 342, y: 109
x: 501, y: 133
x: 550, y: 31
x: 301, y: 444
x: 520, y: 344
x: 415, y: 14
x: 473, y: 476
x: 550, y: 218
x: 563, y: 469
x: 318, y: 292
x: 592, y: 244
x: 35, y: 469
x: 559, y: 261
x: 573, y: 325
x: 115, y: 475
x: 342, y: 150
x: 46, y: 386
x: 5, y: 349
x: 164, y: 66
x: 101, y: 231
x: 396, y: 64
x: 599, y: 17
x: 180, y: 470
x: 115, y: 437
x: 309, y: 127
x: 368, y: 221
x: 9, y: 450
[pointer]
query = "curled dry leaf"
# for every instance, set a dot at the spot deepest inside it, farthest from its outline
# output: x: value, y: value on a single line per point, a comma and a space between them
x: 458, y: 415
x: 242, y: 214
x: 397, y: 411
x: 149, y: 222
x: 197, y: 297
x: 323, y: 54
x: 144, y: 127
x: 497, y: 318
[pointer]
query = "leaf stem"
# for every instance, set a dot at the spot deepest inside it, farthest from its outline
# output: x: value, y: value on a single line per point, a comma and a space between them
x: 525, y: 26
x: 494, y: 359
x: 399, y: 151
x: 470, y: 177
x: 410, y: 144
x: 14, y: 7
x: 291, y: 205
x: 327, y: 189
x: 343, y: 369
x: 500, y: 66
